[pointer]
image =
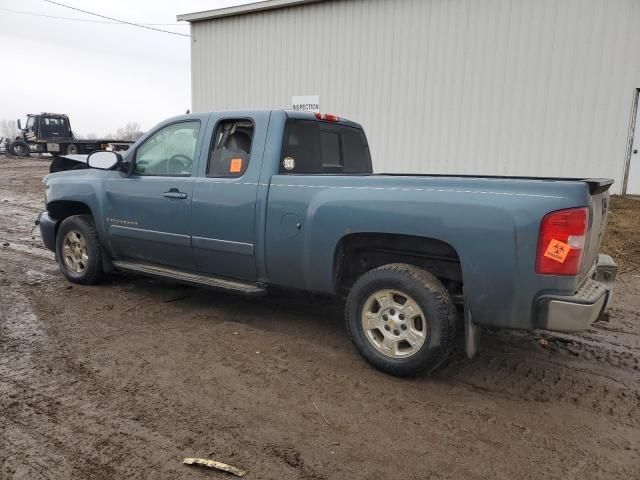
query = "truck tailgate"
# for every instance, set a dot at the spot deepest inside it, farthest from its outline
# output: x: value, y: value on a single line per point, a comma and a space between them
x: 598, y: 211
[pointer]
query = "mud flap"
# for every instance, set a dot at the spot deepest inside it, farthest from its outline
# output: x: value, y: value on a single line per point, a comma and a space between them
x: 471, y: 333
x: 107, y: 263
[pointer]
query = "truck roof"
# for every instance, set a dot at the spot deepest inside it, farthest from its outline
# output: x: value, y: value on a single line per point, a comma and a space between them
x: 304, y: 115
x: 48, y: 113
x: 297, y: 114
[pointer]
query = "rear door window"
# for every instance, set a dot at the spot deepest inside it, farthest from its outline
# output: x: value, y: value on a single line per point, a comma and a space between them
x: 355, y: 151
x: 312, y: 147
x: 301, y: 149
x: 330, y: 148
x: 231, y: 148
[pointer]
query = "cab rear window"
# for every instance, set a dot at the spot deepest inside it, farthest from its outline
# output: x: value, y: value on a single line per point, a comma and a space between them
x: 312, y: 147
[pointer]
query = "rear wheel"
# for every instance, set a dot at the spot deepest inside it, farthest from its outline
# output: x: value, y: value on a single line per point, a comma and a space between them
x: 78, y: 250
x: 401, y: 319
x: 72, y: 149
x: 19, y: 148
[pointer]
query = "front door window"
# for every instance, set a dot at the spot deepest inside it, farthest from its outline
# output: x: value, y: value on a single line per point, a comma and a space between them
x: 169, y: 152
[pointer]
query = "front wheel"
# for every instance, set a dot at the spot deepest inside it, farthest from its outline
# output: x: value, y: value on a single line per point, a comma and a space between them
x: 78, y: 250
x: 19, y: 148
x: 401, y: 319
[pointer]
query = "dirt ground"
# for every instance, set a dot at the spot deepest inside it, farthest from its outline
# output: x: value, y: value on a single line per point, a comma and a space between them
x: 622, y: 241
x: 124, y: 379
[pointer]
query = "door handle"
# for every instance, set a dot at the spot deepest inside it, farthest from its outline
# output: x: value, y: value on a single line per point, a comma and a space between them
x: 175, y: 193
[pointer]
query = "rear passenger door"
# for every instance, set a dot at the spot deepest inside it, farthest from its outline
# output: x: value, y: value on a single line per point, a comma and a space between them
x: 224, y: 196
x: 311, y: 149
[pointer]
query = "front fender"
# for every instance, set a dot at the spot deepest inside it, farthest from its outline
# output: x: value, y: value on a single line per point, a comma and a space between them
x: 84, y: 187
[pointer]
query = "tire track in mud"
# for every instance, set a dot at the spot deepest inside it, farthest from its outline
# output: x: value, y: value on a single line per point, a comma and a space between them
x: 31, y: 406
x: 61, y: 399
x: 37, y: 410
x: 18, y: 231
x: 590, y: 372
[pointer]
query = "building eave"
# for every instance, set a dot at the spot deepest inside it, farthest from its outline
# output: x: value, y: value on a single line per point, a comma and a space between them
x: 242, y: 9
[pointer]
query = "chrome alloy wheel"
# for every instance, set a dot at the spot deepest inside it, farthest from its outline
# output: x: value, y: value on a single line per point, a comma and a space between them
x: 394, y: 323
x: 74, y: 252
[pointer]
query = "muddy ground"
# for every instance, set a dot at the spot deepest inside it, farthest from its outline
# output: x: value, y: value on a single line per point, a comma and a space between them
x: 622, y: 240
x: 124, y: 379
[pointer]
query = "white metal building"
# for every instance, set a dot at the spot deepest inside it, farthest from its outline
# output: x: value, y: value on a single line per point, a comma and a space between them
x: 504, y: 87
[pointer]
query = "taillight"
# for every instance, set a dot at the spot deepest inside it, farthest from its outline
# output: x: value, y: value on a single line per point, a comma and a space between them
x: 328, y: 117
x: 561, y: 241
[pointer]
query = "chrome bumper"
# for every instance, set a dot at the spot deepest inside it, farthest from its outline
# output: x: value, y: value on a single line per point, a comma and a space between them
x: 577, y: 312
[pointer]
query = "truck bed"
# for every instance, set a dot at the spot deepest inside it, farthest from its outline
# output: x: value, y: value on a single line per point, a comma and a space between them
x: 596, y: 185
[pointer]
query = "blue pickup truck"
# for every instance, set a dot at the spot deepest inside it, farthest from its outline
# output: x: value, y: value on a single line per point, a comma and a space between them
x: 251, y: 200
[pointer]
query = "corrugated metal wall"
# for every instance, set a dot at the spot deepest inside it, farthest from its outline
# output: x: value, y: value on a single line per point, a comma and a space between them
x: 508, y: 87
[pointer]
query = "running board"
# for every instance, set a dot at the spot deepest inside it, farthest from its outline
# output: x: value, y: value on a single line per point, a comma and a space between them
x: 192, y: 278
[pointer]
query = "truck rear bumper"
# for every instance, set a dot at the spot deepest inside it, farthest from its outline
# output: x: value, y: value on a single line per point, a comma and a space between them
x: 47, y: 230
x: 577, y: 312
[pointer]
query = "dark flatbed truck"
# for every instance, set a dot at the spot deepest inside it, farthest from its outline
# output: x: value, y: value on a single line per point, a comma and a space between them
x: 51, y: 133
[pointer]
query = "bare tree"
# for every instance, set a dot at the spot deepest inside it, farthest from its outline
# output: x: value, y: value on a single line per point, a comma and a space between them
x: 91, y: 136
x: 131, y: 131
x: 8, y: 129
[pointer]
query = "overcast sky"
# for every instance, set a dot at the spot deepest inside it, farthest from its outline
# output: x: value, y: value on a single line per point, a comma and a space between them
x: 101, y: 75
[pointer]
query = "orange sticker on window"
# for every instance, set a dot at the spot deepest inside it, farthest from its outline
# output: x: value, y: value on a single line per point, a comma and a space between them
x: 236, y: 165
x: 557, y: 251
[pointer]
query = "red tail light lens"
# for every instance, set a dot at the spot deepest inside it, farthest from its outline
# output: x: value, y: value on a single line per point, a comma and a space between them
x: 328, y: 117
x: 561, y: 242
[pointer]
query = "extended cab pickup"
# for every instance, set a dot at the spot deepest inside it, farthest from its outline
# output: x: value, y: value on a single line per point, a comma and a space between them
x: 250, y: 200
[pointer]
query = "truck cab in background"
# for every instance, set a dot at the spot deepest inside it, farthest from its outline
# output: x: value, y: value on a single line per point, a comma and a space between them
x: 51, y: 133
x: 47, y: 126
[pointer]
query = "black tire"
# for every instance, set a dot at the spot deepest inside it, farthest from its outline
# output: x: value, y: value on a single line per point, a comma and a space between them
x: 433, y: 299
x: 19, y: 148
x: 83, y: 225
x: 57, y: 165
x: 72, y: 149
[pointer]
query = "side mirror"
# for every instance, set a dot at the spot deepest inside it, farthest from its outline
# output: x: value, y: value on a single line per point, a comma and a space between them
x: 19, y: 125
x: 103, y: 160
x: 129, y: 165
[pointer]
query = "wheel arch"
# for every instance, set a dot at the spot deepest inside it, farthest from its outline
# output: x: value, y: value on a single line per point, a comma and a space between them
x: 61, y: 209
x: 358, y: 253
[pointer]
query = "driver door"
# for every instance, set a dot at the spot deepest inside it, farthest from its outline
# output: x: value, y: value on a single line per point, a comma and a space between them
x: 149, y: 212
